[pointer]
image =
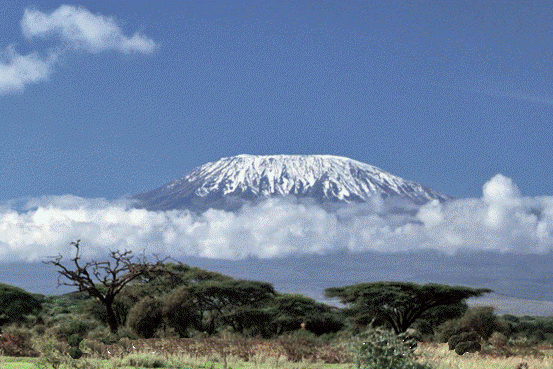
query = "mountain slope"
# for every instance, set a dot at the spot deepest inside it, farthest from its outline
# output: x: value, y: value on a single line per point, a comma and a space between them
x: 228, y: 182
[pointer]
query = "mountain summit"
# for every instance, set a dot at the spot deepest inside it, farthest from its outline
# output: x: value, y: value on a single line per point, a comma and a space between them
x: 228, y: 182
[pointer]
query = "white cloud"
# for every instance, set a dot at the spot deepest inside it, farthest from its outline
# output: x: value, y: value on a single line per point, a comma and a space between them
x: 17, y: 71
x: 79, y: 29
x: 83, y: 30
x: 501, y: 220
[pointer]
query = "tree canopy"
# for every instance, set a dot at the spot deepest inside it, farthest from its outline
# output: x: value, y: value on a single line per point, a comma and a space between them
x: 15, y: 303
x: 400, y: 303
x: 224, y: 301
x: 290, y: 312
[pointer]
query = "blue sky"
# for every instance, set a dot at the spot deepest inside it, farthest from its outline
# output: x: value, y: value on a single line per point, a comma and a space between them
x: 102, y: 100
x: 447, y: 94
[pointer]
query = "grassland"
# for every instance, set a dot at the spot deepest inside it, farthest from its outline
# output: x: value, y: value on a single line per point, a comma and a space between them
x: 222, y: 355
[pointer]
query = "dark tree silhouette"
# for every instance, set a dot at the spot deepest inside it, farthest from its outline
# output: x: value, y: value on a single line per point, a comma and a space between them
x: 400, y: 303
x: 15, y: 303
x: 290, y: 312
x: 104, y: 280
x: 224, y: 302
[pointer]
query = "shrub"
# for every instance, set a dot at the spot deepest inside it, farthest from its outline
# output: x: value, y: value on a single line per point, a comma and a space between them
x: 93, y: 347
x: 75, y: 353
x: 289, y: 311
x: 383, y: 349
x: 298, y: 346
x: 179, y: 312
x: 498, y: 339
x: 56, y: 354
x: 480, y: 320
x: 16, y: 342
x: 52, y: 351
x: 102, y: 334
x: 454, y: 340
x: 15, y: 304
x: 145, y: 317
x: 144, y: 361
x: 467, y: 346
x: 538, y: 336
x: 74, y: 341
x: 66, y: 325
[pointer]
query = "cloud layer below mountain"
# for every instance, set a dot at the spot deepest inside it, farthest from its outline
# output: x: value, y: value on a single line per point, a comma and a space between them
x: 502, y: 219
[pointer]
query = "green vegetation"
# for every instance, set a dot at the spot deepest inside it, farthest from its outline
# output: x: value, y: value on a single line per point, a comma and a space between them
x: 104, y: 280
x: 172, y: 315
x: 382, y: 349
x: 399, y: 304
x: 289, y: 311
x: 15, y: 304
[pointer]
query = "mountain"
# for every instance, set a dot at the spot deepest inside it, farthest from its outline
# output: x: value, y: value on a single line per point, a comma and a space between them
x: 229, y: 182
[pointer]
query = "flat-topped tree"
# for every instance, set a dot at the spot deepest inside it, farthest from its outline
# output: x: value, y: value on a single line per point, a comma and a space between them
x: 106, y: 279
x: 400, y: 303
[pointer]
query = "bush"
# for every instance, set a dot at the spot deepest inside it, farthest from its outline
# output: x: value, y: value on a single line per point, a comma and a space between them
x: 56, y: 354
x: 66, y: 325
x: 75, y: 353
x: 145, y: 317
x: 498, y: 339
x: 74, y: 340
x: 52, y: 351
x: 144, y: 361
x: 179, y: 312
x: 290, y: 311
x: 299, y: 345
x: 15, y: 304
x: 467, y: 346
x: 454, y: 340
x: 480, y: 320
x: 16, y: 342
x: 303, y: 345
x: 383, y: 349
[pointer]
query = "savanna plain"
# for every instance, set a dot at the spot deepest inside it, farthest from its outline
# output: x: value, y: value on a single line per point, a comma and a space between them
x: 128, y: 313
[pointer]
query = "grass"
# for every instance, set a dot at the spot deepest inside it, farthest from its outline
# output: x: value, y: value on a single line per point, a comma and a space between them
x: 17, y: 363
x: 436, y: 354
x: 442, y: 358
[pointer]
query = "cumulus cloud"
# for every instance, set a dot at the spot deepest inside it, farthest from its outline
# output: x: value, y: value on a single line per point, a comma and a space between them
x: 502, y: 220
x: 17, y: 71
x: 83, y: 30
x: 78, y: 29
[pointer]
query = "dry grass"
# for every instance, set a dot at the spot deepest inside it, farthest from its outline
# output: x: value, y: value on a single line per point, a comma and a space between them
x: 442, y: 358
x: 227, y: 353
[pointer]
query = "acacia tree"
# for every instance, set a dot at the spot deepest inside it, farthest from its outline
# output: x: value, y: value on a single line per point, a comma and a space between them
x: 219, y: 302
x: 289, y: 312
x: 104, y: 280
x: 400, y: 303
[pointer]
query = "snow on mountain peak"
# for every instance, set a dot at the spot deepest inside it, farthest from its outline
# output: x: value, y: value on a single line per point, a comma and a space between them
x: 250, y: 177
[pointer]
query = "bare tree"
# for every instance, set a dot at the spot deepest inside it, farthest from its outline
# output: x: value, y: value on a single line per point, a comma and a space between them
x: 105, y: 280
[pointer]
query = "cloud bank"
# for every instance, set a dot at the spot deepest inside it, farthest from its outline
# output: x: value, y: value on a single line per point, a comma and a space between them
x: 501, y: 220
x: 78, y: 29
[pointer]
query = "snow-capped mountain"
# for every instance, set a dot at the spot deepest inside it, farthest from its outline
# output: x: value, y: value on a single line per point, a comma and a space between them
x: 228, y: 182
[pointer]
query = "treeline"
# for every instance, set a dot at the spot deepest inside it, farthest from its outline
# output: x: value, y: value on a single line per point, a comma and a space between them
x: 185, y: 302
x: 127, y: 297
x: 200, y: 303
